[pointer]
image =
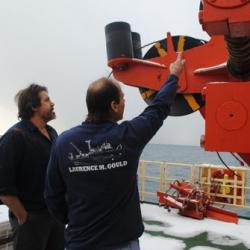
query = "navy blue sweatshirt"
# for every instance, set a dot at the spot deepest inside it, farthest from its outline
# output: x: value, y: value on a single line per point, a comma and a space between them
x: 92, y: 176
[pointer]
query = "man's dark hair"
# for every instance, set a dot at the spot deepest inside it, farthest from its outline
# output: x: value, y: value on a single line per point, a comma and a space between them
x: 27, y: 99
x: 100, y: 95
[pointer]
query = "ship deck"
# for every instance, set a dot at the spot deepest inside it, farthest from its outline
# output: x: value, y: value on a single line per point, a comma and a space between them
x: 168, y: 230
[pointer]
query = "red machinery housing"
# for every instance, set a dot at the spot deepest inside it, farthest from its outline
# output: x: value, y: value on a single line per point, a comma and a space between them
x: 218, y: 70
x: 193, y: 202
x: 227, y: 17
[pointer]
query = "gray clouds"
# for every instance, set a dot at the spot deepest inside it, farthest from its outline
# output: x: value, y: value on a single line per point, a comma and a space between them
x: 61, y: 43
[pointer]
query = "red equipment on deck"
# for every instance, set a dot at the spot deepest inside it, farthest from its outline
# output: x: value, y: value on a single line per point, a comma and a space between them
x: 193, y: 202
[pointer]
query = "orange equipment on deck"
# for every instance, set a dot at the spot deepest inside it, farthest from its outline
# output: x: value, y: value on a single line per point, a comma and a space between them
x: 193, y: 202
x: 215, y: 79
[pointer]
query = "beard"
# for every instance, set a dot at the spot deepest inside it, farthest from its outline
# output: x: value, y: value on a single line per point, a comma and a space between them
x: 49, y: 116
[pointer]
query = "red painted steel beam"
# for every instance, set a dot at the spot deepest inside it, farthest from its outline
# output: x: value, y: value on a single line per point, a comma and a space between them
x: 222, y: 215
x: 226, y: 17
x: 203, y: 64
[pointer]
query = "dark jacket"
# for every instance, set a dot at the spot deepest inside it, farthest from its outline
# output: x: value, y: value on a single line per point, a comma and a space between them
x: 92, y: 176
x: 24, y: 156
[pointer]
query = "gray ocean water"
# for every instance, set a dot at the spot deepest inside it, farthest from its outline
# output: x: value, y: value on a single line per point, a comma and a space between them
x: 185, y: 154
x: 191, y: 155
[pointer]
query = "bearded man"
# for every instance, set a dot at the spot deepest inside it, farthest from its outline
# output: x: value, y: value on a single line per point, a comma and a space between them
x: 24, y: 154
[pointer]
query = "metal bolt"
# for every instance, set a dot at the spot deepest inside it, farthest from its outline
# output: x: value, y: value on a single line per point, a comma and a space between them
x: 122, y: 67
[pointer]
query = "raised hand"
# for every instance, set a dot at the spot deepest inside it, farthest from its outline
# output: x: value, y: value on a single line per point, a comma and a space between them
x: 176, y: 67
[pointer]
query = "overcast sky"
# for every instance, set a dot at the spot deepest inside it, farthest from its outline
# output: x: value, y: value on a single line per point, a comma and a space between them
x: 61, y: 44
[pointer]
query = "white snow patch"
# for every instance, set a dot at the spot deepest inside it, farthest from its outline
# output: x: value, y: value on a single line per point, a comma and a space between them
x: 179, y: 226
x: 204, y: 248
x: 148, y: 242
x: 3, y: 213
x: 222, y: 239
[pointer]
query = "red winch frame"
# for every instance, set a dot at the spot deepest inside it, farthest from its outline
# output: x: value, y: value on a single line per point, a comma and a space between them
x: 227, y: 105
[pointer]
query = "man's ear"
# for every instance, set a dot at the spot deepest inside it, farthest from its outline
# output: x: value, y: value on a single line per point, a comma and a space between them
x: 34, y: 109
x: 114, y: 106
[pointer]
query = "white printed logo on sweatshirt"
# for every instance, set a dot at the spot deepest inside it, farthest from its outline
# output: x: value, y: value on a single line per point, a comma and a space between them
x: 100, y: 157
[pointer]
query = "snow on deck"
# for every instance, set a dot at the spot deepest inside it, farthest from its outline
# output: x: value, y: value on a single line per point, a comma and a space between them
x: 167, y: 224
x: 3, y: 213
x: 163, y: 228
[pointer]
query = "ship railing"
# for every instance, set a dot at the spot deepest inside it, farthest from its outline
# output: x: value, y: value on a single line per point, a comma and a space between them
x: 156, y: 176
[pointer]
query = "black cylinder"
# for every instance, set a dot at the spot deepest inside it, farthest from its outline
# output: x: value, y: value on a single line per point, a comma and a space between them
x: 239, y: 57
x: 136, y: 40
x: 118, y: 40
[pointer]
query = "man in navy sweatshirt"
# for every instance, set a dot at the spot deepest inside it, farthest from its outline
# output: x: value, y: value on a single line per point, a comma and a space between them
x: 92, y: 175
